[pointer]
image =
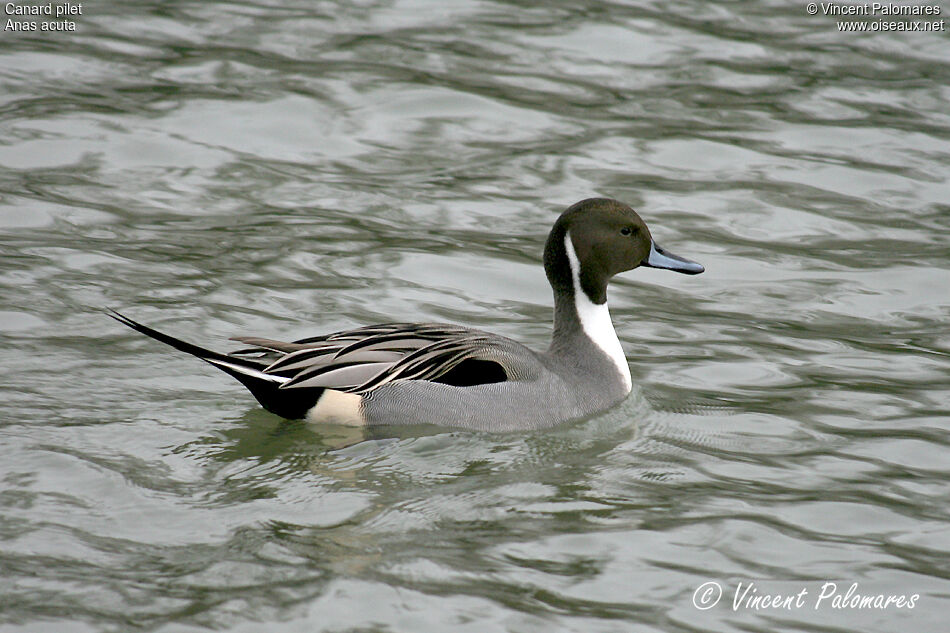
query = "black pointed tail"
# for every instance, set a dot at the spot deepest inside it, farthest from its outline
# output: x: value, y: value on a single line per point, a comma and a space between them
x: 288, y: 403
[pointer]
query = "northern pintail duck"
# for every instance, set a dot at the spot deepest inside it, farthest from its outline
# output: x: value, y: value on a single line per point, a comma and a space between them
x: 410, y: 373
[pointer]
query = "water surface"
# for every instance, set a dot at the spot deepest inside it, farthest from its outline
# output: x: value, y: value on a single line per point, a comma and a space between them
x: 219, y: 169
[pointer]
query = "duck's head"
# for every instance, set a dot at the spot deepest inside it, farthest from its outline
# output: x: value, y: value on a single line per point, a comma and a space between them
x: 600, y: 238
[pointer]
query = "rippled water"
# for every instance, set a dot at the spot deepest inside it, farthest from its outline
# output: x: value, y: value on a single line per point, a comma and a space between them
x: 285, y: 169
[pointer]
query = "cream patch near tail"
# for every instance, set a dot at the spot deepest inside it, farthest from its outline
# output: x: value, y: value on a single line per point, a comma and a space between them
x: 337, y: 407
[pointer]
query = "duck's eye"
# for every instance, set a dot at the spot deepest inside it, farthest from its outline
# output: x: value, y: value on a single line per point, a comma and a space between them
x: 626, y: 230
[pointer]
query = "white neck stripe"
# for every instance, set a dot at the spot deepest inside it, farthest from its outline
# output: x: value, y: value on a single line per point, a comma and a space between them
x: 595, y: 319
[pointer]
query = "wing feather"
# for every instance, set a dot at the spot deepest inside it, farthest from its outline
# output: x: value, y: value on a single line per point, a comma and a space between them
x: 302, y: 358
x: 364, y: 359
x: 336, y: 377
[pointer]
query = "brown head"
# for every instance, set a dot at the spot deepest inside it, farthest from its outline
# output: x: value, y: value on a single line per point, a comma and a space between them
x: 607, y: 237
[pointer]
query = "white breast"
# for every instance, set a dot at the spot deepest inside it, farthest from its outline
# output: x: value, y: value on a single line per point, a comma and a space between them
x: 595, y: 319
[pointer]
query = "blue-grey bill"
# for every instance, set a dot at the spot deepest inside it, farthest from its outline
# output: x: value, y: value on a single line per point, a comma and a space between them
x: 659, y: 258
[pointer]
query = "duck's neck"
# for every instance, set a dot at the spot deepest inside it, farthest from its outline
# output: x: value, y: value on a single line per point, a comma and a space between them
x: 580, y: 323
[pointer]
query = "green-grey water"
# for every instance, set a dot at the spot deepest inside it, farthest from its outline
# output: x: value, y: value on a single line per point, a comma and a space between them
x: 287, y: 169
